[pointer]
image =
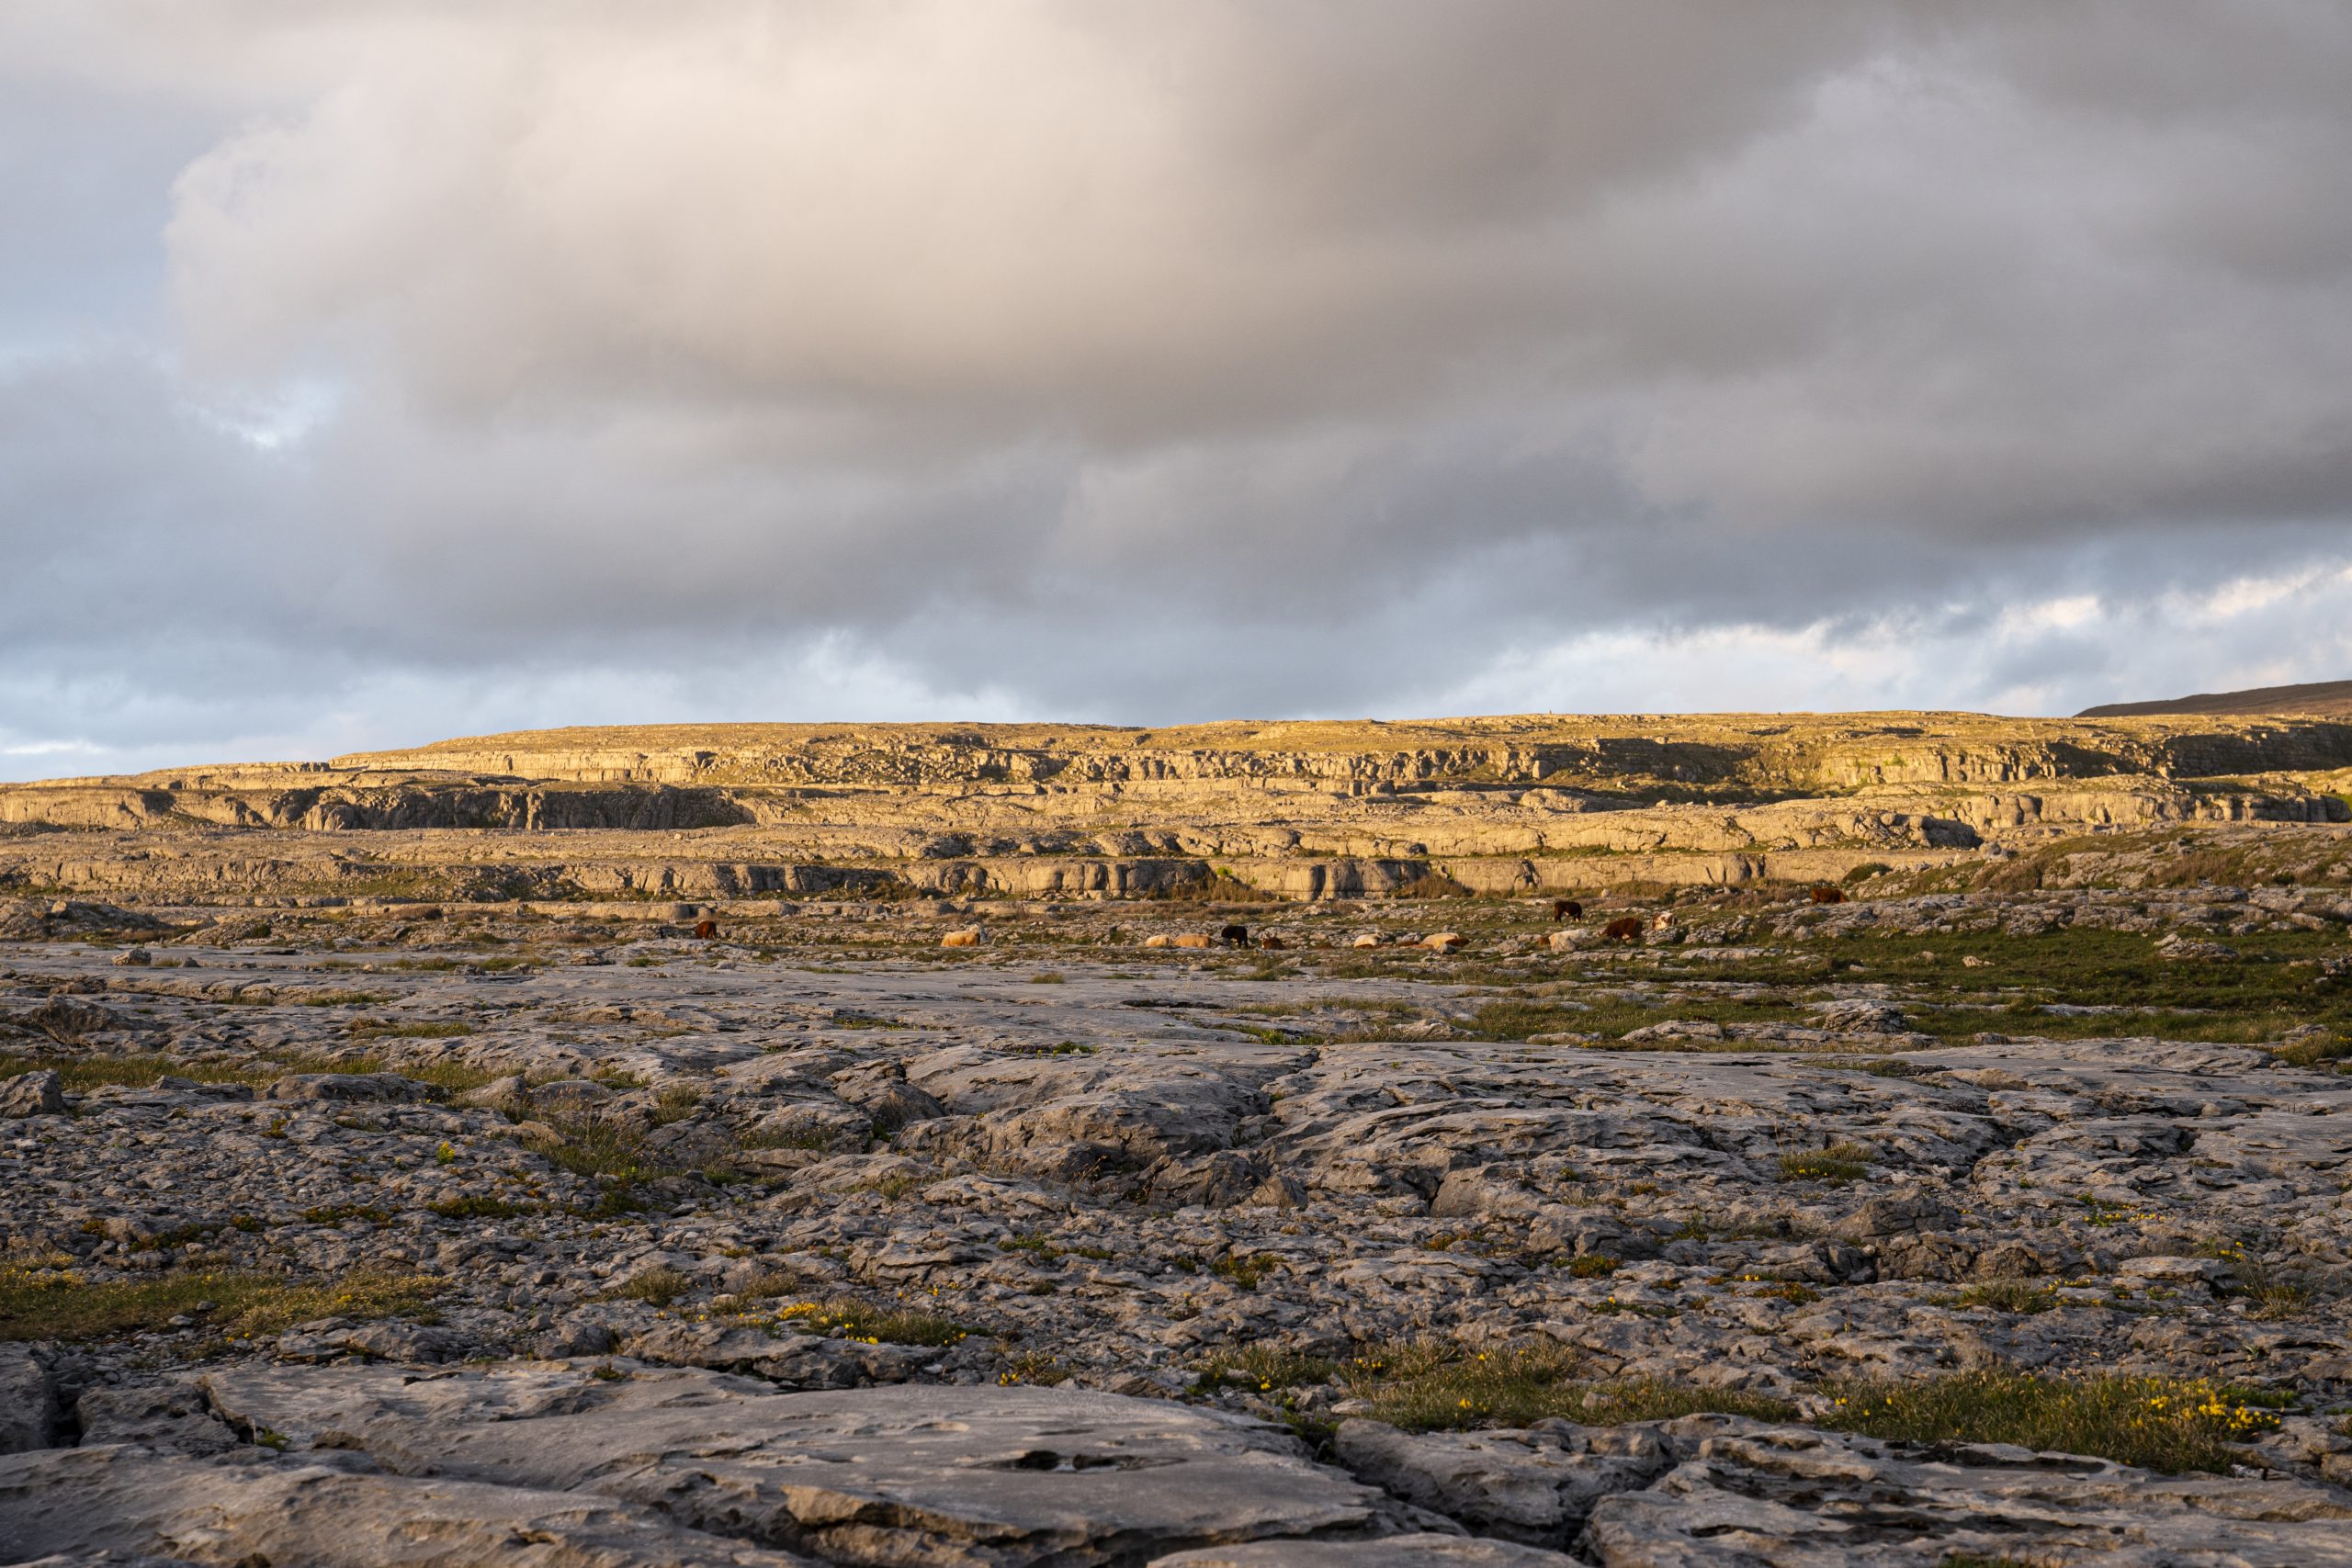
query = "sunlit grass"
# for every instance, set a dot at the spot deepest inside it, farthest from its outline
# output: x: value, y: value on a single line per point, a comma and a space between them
x: 50, y: 1304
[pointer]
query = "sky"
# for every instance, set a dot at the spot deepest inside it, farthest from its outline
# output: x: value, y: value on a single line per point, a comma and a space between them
x: 373, y: 371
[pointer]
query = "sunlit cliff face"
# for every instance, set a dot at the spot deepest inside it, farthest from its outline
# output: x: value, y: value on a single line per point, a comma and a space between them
x: 377, y: 370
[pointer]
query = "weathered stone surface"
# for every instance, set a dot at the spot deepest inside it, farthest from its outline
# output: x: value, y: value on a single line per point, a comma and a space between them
x: 1390, y: 1551
x: 1536, y: 1486
x: 27, y: 1401
x: 1771, y: 1145
x: 32, y: 1094
x: 994, y: 1476
x: 112, y: 1504
x: 348, y: 1087
x: 1792, y: 1497
x: 175, y: 1416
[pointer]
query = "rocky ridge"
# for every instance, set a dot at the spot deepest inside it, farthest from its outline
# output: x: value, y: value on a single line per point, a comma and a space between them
x: 1294, y: 811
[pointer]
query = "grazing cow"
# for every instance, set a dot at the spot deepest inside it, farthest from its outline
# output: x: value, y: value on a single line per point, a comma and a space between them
x: 1627, y: 930
x: 1272, y: 943
x: 1192, y: 939
x: 706, y: 930
x: 971, y: 936
x: 1566, y: 909
x: 1826, y: 895
x: 1234, y: 936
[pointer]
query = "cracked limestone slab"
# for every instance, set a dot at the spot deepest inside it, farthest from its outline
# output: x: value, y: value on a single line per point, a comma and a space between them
x: 117, y: 1504
x: 986, y: 1476
x: 1765, y: 1496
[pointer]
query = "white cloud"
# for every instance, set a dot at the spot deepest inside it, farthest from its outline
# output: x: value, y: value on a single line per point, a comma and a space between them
x: 1113, y: 359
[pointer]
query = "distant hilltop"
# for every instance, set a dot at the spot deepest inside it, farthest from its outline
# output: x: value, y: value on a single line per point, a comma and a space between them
x: 2332, y: 698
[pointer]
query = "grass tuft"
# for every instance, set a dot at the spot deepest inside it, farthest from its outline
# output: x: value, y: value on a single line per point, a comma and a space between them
x: 1838, y: 1163
x: 876, y: 1323
x: 658, y: 1286
x: 2165, y: 1424
x: 1433, y: 1387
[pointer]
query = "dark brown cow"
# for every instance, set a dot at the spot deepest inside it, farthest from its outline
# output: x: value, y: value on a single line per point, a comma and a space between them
x: 1827, y: 896
x: 1234, y: 936
x: 1627, y: 930
x: 706, y: 930
x: 1566, y: 909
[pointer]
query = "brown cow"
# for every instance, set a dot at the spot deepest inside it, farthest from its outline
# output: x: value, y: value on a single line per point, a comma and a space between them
x: 1825, y: 894
x: 1566, y: 909
x: 1272, y: 943
x: 706, y: 930
x: 1627, y: 930
x: 1234, y: 936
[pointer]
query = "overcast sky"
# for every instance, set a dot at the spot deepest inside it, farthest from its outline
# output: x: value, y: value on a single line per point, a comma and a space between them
x: 378, y: 370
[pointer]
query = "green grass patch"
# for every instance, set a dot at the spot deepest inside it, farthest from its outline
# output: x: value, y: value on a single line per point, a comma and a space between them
x: 1432, y: 1386
x: 41, y: 1305
x: 1246, y: 1273
x: 2166, y: 1424
x: 2018, y: 1296
x: 83, y: 1073
x: 877, y: 1324
x: 658, y: 1286
x: 1263, y: 1367
x: 602, y: 1150
x: 477, y: 1206
x: 434, y: 1028
x: 1838, y: 1163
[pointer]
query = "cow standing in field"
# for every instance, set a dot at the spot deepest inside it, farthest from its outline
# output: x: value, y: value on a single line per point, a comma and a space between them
x: 1234, y: 936
x: 1566, y: 909
x: 706, y: 930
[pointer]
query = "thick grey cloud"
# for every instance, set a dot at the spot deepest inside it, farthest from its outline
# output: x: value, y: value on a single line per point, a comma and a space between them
x: 375, y: 369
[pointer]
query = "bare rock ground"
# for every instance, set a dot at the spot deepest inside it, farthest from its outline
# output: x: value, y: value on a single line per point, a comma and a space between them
x: 1990, y: 1212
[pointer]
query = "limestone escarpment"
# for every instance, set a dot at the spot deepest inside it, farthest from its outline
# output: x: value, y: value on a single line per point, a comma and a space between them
x: 1299, y: 810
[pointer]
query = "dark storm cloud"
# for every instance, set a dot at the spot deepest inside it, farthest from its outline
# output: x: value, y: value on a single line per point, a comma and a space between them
x: 1128, y: 360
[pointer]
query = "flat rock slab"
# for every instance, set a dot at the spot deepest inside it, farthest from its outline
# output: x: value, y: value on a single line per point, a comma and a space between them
x: 1417, y: 1550
x: 1536, y: 1486
x: 1767, y: 1496
x: 116, y: 1503
x: 986, y: 1476
x: 27, y: 1401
